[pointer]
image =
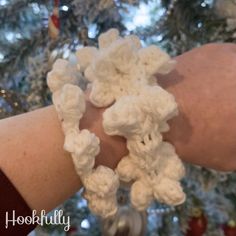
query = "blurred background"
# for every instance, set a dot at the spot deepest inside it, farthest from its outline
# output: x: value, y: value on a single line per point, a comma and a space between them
x: 33, y: 34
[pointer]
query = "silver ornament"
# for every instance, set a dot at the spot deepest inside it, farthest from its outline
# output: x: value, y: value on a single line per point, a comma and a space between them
x: 127, y: 222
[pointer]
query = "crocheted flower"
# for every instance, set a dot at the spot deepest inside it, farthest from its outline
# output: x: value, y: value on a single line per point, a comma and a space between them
x: 62, y: 73
x: 158, y: 103
x: 156, y: 177
x: 135, y: 40
x: 106, y: 39
x: 153, y: 59
x: 124, y: 118
x: 90, y: 74
x: 168, y: 191
x: 141, y: 195
x: 101, y: 95
x: 82, y: 143
x: 140, y: 115
x: 69, y: 143
x: 84, y: 146
x: 71, y: 103
x: 126, y: 169
x: 83, y: 164
x: 170, y: 165
x: 103, y: 68
x: 121, y: 66
x: 103, y: 181
x: 123, y: 55
x: 104, y: 207
x: 85, y: 56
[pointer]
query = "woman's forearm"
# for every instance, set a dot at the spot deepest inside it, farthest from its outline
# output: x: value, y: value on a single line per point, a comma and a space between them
x: 33, y: 158
x: 31, y: 145
x: 204, y: 85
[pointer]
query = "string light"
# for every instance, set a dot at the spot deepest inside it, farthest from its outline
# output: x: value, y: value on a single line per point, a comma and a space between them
x: 3, y: 2
x: 64, y: 8
x: 1, y: 57
x: 85, y: 224
x: 167, y: 13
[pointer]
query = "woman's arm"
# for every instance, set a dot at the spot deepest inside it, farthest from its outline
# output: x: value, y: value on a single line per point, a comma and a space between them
x: 33, y: 158
x: 204, y: 84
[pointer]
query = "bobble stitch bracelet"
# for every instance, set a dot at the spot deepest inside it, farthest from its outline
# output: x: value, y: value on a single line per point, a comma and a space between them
x: 101, y: 183
x: 121, y: 73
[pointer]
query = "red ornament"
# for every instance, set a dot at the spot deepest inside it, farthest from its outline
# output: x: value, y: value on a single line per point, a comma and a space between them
x: 197, y: 225
x: 54, y: 21
x: 72, y: 231
x: 229, y: 229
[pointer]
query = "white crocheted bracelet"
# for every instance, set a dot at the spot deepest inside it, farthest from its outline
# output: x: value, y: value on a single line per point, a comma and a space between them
x: 101, y: 183
x: 121, y: 73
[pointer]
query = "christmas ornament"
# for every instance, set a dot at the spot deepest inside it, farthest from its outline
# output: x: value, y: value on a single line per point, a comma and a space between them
x: 197, y: 224
x: 230, y: 228
x: 72, y: 231
x: 127, y: 221
x: 54, y: 21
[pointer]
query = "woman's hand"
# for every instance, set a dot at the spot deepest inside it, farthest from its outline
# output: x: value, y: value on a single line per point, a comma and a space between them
x: 204, y: 84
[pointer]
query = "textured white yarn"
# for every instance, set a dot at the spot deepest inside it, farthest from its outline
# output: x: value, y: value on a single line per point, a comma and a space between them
x: 159, y: 173
x: 107, y: 38
x: 85, y: 56
x: 120, y: 66
x: 101, y: 187
x: 62, y: 73
x: 122, y: 75
x: 122, y: 72
x: 101, y: 183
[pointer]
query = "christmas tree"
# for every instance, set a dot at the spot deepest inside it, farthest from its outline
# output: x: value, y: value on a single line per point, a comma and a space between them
x: 35, y: 33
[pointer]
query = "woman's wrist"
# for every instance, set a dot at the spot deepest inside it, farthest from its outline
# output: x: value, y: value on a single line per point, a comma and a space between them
x: 33, y: 158
x: 112, y: 148
x: 204, y: 86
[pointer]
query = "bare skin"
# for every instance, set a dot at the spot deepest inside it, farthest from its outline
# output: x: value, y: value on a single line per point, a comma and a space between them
x: 204, y: 84
x: 204, y: 133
